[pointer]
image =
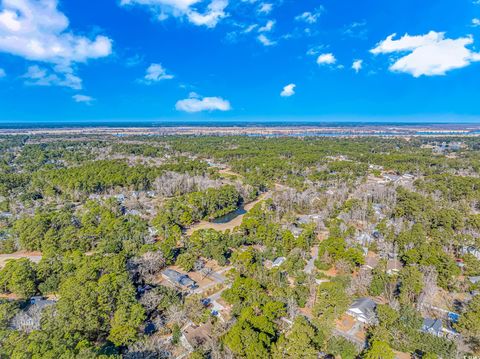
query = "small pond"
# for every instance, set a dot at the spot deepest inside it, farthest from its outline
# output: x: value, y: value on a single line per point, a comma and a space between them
x: 230, y: 216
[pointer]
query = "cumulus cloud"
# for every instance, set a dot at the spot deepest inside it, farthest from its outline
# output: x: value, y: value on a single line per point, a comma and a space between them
x: 268, y: 26
x: 357, y: 65
x: 37, y: 31
x: 431, y: 54
x: 2, y: 73
x: 265, y: 8
x: 475, y: 22
x: 195, y: 103
x: 83, y: 99
x: 155, y: 73
x: 288, y: 90
x: 326, y: 59
x: 311, y: 17
x: 163, y: 9
x: 265, y: 40
x: 41, y: 76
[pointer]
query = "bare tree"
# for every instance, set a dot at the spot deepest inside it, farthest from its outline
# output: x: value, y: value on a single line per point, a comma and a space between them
x: 148, y: 265
x: 430, y: 288
x: 360, y: 283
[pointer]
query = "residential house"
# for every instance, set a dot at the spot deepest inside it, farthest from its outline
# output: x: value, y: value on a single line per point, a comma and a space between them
x: 474, y: 280
x: 278, y: 262
x: 371, y: 260
x: 394, y: 266
x: 433, y: 326
x: 363, y: 310
x: 179, y: 279
x: 471, y: 250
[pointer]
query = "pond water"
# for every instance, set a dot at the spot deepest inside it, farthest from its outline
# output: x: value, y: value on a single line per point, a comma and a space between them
x: 230, y: 216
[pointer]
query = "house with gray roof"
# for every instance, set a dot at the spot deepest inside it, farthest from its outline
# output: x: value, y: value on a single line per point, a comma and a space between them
x: 474, y: 280
x: 363, y: 310
x: 179, y: 279
x: 433, y: 326
x: 278, y: 262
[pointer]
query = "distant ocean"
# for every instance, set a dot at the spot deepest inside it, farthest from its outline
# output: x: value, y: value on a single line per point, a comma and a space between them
x: 233, y: 123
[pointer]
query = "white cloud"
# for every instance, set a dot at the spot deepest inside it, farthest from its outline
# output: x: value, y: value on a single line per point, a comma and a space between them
x: 311, y: 17
x: 2, y: 73
x: 475, y: 22
x: 356, y: 30
x: 40, y: 76
x: 265, y: 40
x: 326, y: 59
x: 430, y: 54
x: 155, y: 73
x: 215, y: 10
x: 196, y: 103
x: 37, y: 31
x: 268, y: 26
x: 83, y: 99
x: 315, y: 50
x: 250, y: 28
x: 265, y: 8
x: 357, y: 65
x: 288, y: 90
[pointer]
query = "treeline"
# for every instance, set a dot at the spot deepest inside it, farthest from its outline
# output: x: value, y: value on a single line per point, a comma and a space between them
x: 92, y: 177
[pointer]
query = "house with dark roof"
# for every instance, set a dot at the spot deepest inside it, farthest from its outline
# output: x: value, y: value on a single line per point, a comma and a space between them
x: 179, y: 279
x: 363, y: 310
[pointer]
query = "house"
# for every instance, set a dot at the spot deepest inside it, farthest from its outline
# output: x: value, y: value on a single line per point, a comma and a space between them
x: 363, y: 310
x: 471, y: 250
x: 391, y: 178
x: 309, y: 218
x: 393, y: 266
x: 433, y: 326
x: 474, y: 280
x: 177, y: 278
x: 371, y: 261
x: 278, y: 262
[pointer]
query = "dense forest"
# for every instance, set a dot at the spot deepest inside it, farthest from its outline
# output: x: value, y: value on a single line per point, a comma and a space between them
x: 239, y: 247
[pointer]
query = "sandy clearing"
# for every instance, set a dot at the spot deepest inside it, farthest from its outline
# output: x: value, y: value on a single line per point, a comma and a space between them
x: 33, y: 256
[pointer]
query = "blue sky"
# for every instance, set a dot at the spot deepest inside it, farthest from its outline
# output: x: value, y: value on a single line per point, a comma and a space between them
x: 241, y: 60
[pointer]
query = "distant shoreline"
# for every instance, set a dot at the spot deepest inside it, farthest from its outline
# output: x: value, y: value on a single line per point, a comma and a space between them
x: 331, y: 130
